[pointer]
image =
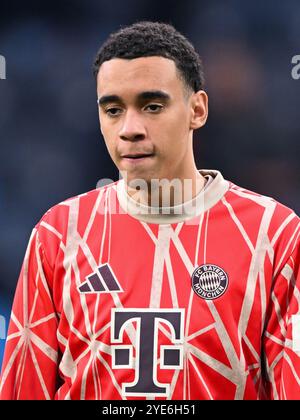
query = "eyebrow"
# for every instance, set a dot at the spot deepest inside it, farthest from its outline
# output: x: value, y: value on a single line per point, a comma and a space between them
x: 147, y: 95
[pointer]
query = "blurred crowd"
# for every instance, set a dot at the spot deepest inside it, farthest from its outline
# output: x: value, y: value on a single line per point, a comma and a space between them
x: 51, y: 145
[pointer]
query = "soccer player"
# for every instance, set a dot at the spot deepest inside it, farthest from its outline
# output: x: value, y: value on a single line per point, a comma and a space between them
x: 172, y: 283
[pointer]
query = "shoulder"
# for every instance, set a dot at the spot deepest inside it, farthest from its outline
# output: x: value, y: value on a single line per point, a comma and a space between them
x: 279, y: 223
x: 253, y: 200
x: 74, y: 212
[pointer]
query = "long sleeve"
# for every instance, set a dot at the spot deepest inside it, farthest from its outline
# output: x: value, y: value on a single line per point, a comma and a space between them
x: 282, y: 334
x: 29, y: 368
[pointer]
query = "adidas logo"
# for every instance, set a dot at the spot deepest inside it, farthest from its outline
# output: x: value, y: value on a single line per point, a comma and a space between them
x: 101, y: 281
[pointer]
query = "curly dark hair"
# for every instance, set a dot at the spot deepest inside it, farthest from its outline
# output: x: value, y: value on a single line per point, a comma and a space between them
x: 147, y: 39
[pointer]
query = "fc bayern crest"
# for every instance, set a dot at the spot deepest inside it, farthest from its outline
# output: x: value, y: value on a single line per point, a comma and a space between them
x: 209, y: 281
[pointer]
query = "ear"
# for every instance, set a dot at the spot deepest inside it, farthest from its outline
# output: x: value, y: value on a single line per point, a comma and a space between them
x: 199, y: 109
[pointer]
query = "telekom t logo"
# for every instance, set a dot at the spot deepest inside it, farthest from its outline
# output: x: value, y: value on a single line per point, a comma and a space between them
x: 148, y: 320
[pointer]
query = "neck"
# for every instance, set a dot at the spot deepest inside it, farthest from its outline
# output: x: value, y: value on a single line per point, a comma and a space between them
x: 167, y: 192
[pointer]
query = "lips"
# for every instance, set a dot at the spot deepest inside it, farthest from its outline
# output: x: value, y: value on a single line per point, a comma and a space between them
x: 137, y: 155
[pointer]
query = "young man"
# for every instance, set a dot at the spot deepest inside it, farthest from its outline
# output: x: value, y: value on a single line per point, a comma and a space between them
x: 171, y: 283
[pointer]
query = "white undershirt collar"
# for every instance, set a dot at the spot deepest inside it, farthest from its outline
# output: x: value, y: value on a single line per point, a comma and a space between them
x: 215, y: 187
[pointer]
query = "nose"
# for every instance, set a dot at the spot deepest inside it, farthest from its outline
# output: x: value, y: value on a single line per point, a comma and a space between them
x: 132, y: 128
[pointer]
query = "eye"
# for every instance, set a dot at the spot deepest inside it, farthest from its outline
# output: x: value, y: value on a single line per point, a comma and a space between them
x: 113, y: 111
x: 154, y: 108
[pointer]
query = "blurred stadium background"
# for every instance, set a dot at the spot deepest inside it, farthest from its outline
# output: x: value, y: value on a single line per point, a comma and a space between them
x: 51, y: 146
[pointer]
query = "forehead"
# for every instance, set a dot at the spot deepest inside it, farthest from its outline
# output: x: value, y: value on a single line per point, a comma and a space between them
x: 143, y: 73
